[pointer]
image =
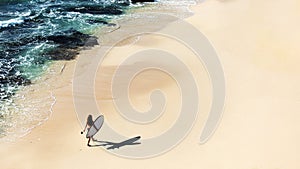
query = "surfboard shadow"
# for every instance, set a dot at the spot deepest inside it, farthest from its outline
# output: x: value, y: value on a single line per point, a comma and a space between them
x: 113, y: 145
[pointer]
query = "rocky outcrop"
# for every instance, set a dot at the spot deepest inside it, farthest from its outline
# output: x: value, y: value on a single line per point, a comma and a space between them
x: 136, y: 1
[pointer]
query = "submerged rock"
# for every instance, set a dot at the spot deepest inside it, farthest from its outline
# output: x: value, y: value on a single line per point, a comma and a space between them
x: 62, y: 53
x: 136, y: 1
x: 92, y: 41
x: 94, y: 21
x: 69, y: 44
x: 72, y: 39
x: 100, y: 10
x: 14, y: 80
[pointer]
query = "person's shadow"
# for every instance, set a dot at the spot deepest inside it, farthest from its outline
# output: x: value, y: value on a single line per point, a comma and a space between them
x: 112, y: 145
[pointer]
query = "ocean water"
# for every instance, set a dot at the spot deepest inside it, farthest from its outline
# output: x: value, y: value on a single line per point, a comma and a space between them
x: 34, y: 34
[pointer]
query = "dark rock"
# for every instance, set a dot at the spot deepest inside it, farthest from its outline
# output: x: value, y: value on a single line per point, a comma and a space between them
x: 91, y: 21
x: 100, y: 10
x: 72, y: 39
x: 61, y: 53
x: 123, y: 2
x: 111, y: 24
x: 136, y: 1
x: 69, y: 44
x: 92, y: 41
x: 14, y: 80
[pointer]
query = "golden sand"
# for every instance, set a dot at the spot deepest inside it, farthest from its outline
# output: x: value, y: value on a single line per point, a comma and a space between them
x: 257, y: 42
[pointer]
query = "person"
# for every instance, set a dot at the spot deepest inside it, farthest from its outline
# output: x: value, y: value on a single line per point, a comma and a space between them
x: 89, y: 124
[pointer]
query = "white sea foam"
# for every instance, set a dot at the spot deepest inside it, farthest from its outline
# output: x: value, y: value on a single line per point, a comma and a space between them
x: 14, y: 21
x: 27, y: 109
x: 11, y: 22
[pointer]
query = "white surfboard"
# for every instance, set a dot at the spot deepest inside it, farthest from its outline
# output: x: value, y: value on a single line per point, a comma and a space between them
x: 96, y: 126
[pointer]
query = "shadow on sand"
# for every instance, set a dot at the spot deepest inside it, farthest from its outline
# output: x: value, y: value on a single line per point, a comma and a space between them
x: 112, y: 145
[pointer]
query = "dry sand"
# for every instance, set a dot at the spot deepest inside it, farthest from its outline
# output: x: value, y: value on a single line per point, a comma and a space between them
x: 257, y: 42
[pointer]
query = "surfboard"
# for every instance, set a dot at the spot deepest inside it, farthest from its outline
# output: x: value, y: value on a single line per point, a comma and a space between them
x: 96, y: 126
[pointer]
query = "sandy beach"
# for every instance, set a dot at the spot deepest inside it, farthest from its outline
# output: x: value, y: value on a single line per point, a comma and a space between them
x: 257, y: 43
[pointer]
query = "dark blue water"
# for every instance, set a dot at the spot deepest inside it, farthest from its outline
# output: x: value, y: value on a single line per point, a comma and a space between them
x: 33, y: 33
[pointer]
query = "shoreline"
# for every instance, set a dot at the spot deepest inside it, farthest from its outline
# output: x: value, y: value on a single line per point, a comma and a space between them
x: 48, y: 82
x: 259, y: 127
x: 57, y: 68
